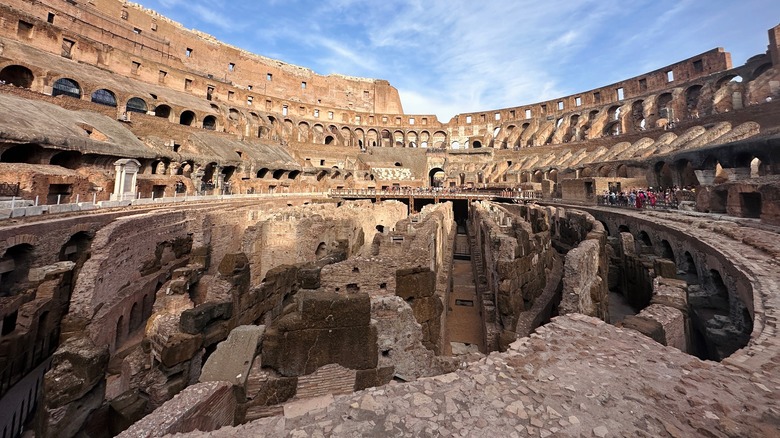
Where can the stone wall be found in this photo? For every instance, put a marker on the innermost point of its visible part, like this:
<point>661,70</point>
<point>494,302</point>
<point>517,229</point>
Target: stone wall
<point>518,255</point>
<point>203,407</point>
<point>718,301</point>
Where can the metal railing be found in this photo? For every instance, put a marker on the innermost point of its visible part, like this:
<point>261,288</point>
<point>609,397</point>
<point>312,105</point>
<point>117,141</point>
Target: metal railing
<point>433,193</point>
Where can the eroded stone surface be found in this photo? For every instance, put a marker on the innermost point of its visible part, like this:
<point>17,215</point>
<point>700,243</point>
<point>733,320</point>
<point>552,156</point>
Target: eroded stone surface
<point>575,377</point>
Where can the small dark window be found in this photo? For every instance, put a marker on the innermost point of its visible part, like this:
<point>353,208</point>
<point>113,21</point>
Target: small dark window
<point>188,52</point>
<point>698,66</point>
<point>25,29</point>
<point>597,97</point>
<point>176,147</point>
<point>642,84</point>
<point>269,77</point>
<point>161,76</point>
<point>67,47</point>
<point>136,67</point>
<point>188,84</point>
<point>124,15</point>
<point>231,67</point>
<point>154,27</point>
<point>303,85</point>
<point>50,18</point>
<point>136,31</point>
<point>209,93</point>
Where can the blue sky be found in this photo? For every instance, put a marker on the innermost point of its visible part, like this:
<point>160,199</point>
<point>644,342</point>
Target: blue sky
<point>453,56</point>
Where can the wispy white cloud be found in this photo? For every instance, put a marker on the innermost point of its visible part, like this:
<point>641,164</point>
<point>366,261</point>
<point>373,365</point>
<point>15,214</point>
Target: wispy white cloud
<point>453,56</point>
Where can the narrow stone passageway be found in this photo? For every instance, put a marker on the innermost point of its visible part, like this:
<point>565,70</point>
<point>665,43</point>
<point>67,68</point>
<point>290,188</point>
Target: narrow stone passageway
<point>464,321</point>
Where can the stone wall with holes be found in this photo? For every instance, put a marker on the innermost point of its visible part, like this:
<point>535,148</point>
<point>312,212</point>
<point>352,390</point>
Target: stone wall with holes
<point>406,272</point>
<point>184,53</point>
<point>518,260</point>
<point>306,234</point>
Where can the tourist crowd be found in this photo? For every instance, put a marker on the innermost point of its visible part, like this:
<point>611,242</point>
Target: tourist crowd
<point>646,198</point>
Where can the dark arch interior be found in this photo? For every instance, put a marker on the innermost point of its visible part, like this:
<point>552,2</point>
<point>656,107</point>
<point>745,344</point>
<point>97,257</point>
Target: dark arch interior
<point>210,123</point>
<point>67,159</point>
<point>163,111</point>
<point>137,105</point>
<point>23,153</point>
<point>15,264</point>
<point>17,75</point>
<point>187,118</point>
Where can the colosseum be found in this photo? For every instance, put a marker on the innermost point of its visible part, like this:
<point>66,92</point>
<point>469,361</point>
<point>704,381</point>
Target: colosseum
<point>197,239</point>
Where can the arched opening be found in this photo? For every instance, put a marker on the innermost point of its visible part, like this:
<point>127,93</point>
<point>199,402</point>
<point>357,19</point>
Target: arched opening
<point>135,317</point>
<point>66,87</point>
<point>692,95</point>
<point>76,249</point>
<point>138,105</point>
<point>262,172</point>
<point>278,173</point>
<point>293,174</point>
<point>476,144</point>
<point>17,75</point>
<point>538,176</point>
<point>321,174</point>
<point>104,97</point>
<point>321,251</point>
<point>380,228</point>
<point>664,175</point>
<point>687,174</point>
<point>728,79</point>
<point>689,266</point>
<point>666,251</point>
<point>637,115</point>
<point>612,128</point>
<point>210,123</point>
<point>328,139</point>
<point>720,292</point>
<point>187,118</point>
<point>119,335</point>
<point>436,177</point>
<point>386,139</point>
<point>227,173</point>
<point>663,107</point>
<point>146,304</point>
<point>23,153</point>
<point>163,111</point>
<point>624,229</point>
<point>644,244</point>
<point>67,159</point>
<point>14,267</point>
